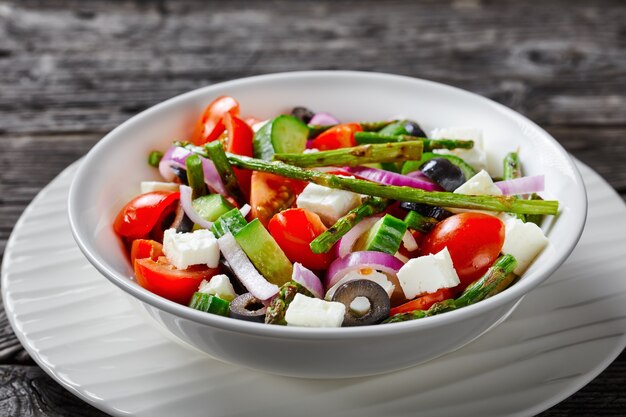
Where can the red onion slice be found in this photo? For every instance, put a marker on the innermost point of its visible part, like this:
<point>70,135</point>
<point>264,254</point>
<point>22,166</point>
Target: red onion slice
<point>307,279</point>
<point>379,261</point>
<point>176,156</point>
<point>186,202</point>
<point>409,241</point>
<point>324,119</point>
<point>391,178</point>
<point>245,210</point>
<point>522,185</point>
<point>243,268</point>
<point>345,245</point>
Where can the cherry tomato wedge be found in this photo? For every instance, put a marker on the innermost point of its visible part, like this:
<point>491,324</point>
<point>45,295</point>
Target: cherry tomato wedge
<point>162,278</point>
<point>423,302</point>
<point>210,125</point>
<point>140,215</point>
<point>240,142</point>
<point>473,239</point>
<point>145,248</point>
<point>293,230</point>
<point>270,194</point>
<point>340,136</point>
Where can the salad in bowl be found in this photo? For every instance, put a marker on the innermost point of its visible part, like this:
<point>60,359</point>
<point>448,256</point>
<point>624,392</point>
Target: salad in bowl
<point>307,220</point>
<point>365,240</point>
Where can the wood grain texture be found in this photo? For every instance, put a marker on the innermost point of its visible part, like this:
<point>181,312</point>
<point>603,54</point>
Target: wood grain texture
<point>70,71</point>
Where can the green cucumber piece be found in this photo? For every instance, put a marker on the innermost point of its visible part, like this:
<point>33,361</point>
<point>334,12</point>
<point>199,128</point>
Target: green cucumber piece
<point>386,235</point>
<point>209,303</point>
<point>283,134</point>
<point>211,207</point>
<point>396,128</point>
<point>229,222</point>
<point>264,252</point>
<point>419,222</point>
<point>410,166</point>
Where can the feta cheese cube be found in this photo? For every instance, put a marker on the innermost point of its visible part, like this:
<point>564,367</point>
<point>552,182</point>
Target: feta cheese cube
<point>479,184</point>
<point>328,203</point>
<point>312,312</point>
<point>476,157</point>
<point>150,186</point>
<point>375,276</point>
<point>360,305</point>
<point>428,274</point>
<point>524,241</point>
<point>219,286</point>
<point>185,249</point>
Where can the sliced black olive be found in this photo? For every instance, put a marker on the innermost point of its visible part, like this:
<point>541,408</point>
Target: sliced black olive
<point>376,295</point>
<point>182,223</point>
<point>413,129</point>
<point>247,307</point>
<point>444,173</point>
<point>438,213</point>
<point>303,114</point>
<point>181,174</point>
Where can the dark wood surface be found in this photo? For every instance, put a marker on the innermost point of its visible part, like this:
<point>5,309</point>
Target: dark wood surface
<point>72,70</point>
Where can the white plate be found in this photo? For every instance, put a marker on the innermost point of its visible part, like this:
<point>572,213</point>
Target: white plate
<point>87,335</point>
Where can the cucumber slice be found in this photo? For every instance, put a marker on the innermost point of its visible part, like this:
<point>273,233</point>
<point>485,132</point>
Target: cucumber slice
<point>264,253</point>
<point>410,166</point>
<point>211,207</point>
<point>284,134</point>
<point>396,128</point>
<point>209,303</point>
<point>386,235</point>
<point>419,222</point>
<point>231,221</point>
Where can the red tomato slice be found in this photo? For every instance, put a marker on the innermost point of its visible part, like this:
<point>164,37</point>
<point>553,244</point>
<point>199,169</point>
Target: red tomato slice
<point>240,137</point>
<point>473,239</point>
<point>340,136</point>
<point>165,280</point>
<point>210,126</point>
<point>140,215</point>
<point>270,194</point>
<point>423,302</point>
<point>145,248</point>
<point>293,230</point>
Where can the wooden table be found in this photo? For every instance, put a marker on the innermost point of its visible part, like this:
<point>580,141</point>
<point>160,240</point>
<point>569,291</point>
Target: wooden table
<point>70,71</point>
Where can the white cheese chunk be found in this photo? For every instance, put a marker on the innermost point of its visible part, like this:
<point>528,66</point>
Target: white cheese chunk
<point>312,312</point>
<point>219,286</point>
<point>328,203</point>
<point>185,249</point>
<point>360,305</point>
<point>479,184</point>
<point>428,274</point>
<point>150,186</point>
<point>476,156</point>
<point>524,241</point>
<point>375,276</point>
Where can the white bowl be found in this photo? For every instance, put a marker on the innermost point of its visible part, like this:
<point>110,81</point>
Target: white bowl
<point>111,172</point>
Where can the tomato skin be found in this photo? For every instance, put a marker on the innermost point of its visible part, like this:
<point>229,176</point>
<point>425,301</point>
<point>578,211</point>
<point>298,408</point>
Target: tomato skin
<point>270,194</point>
<point>161,278</point>
<point>474,241</point>
<point>423,302</point>
<point>145,248</point>
<point>340,136</point>
<point>293,230</point>
<point>210,125</point>
<point>139,216</point>
<point>240,137</point>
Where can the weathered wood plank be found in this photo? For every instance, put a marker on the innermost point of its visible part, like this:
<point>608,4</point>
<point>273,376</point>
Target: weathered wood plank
<point>69,71</point>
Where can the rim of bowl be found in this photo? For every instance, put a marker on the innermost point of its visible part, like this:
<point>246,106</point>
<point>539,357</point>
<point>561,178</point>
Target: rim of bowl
<point>515,292</point>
